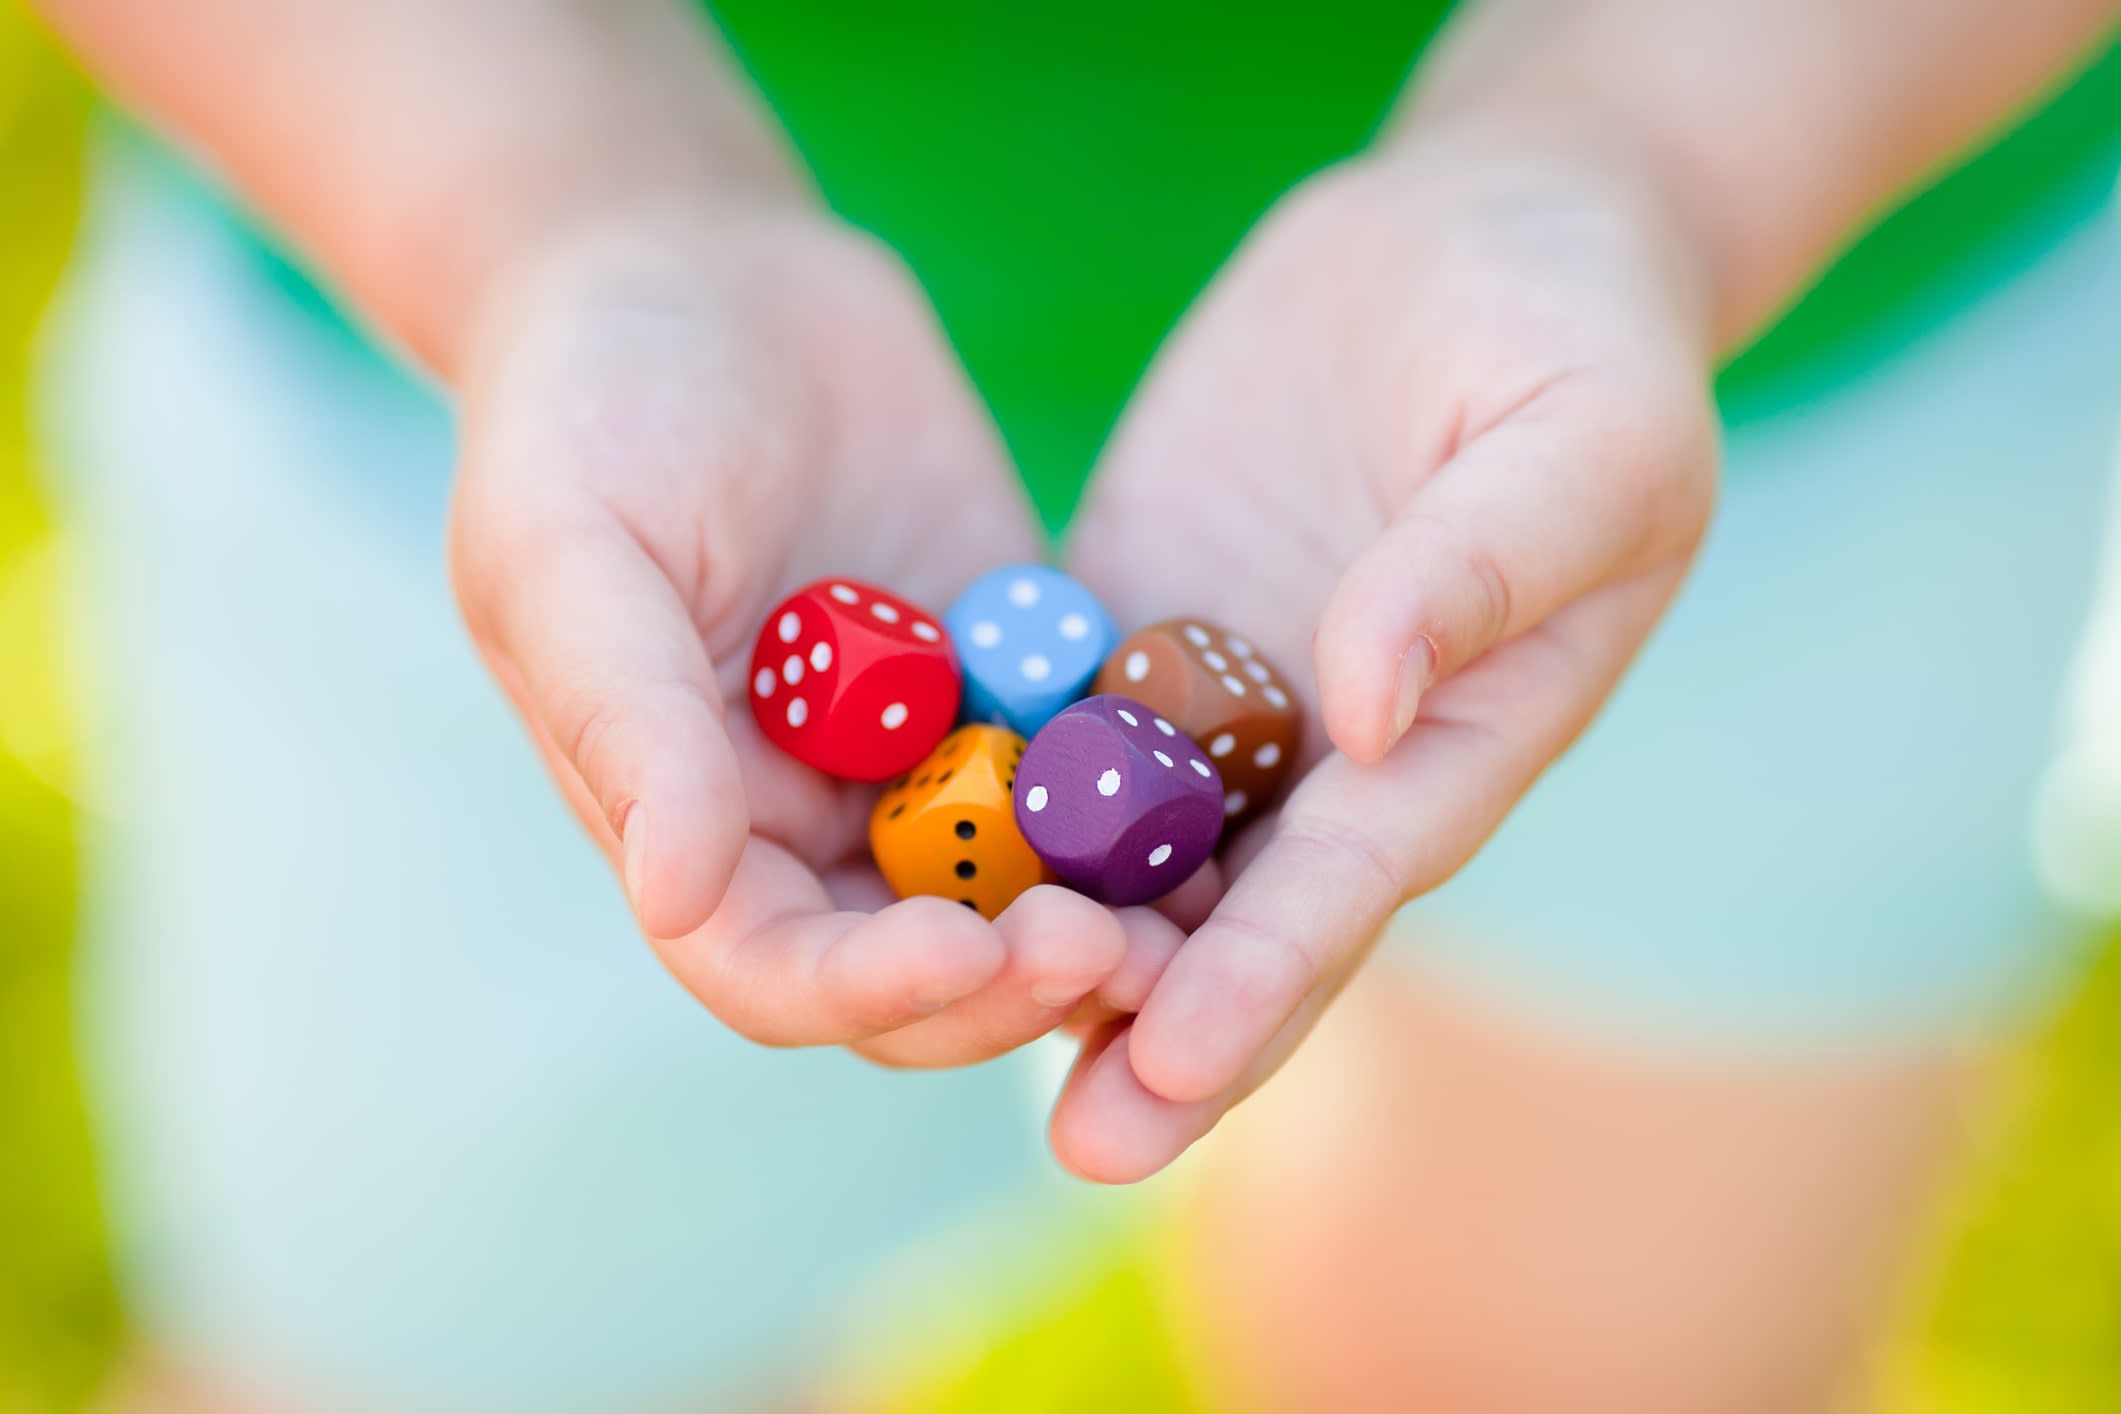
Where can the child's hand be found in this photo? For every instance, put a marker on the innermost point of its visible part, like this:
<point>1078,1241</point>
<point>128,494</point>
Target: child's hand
<point>1443,433</point>
<point>670,420</point>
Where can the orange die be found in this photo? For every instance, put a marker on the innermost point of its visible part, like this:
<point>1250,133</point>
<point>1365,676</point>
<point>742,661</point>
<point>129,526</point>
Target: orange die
<point>948,826</point>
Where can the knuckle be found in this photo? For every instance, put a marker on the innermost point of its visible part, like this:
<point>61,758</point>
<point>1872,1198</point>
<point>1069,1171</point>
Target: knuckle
<point>1484,593</point>
<point>1493,600</point>
<point>1659,453</point>
<point>1293,960</point>
<point>587,719</point>
<point>597,725</point>
<point>1336,845</point>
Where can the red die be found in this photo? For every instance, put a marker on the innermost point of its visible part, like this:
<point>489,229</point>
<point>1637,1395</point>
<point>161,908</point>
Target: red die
<point>854,681</point>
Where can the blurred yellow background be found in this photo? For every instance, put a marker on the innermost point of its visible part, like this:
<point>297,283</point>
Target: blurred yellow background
<point>2019,1309</point>
<point>58,1320</point>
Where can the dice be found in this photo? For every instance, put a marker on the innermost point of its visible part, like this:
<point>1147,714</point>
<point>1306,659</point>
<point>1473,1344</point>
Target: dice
<point>1215,687</point>
<point>852,680</point>
<point>948,826</point>
<point>1117,801</point>
<point>1030,639</point>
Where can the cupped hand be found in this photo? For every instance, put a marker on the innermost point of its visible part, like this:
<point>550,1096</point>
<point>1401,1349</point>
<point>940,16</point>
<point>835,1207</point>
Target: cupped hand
<point>671,419</point>
<point>1440,441</point>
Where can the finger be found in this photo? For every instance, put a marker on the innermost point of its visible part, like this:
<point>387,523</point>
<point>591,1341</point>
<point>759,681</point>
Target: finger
<point>1190,903</point>
<point>1152,942</point>
<point>778,963</point>
<point>593,640</point>
<point>1541,510</point>
<point>1356,841</point>
<point>1107,1128</point>
<point>1240,849</point>
<point>857,887</point>
<point>1061,947</point>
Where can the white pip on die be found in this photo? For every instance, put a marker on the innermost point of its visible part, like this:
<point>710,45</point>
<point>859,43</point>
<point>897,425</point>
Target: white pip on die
<point>1029,640</point>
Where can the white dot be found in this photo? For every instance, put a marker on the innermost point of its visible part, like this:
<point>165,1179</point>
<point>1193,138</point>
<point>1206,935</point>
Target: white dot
<point>1035,799</point>
<point>1222,745</point>
<point>1276,696</point>
<point>1165,727</point>
<point>821,656</point>
<point>1161,757</point>
<point>790,626</point>
<point>1234,802</point>
<point>765,682</point>
<point>894,716</point>
<point>1108,783</point>
<point>1199,766</point>
<point>1257,671</point>
<point>884,611</point>
<point>1236,685</point>
<point>1074,626</point>
<point>1215,661</point>
<point>793,669</point>
<point>1197,636</point>
<point>1159,855</point>
<point>1137,666</point>
<point>1023,593</point>
<point>798,711</point>
<point>1241,648</point>
<point>845,595</point>
<point>1035,668</point>
<point>925,630</point>
<point>985,634</point>
<point>1128,717</point>
<point>1266,756</point>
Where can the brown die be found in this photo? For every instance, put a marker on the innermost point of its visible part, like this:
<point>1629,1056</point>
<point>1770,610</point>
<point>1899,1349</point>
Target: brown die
<point>1218,690</point>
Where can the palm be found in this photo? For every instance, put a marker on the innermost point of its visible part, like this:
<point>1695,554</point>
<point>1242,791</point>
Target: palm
<point>668,437</point>
<point>875,463</point>
<point>1363,392</point>
<point>1248,518</point>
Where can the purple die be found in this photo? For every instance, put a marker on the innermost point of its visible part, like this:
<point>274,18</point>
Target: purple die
<point>1119,802</point>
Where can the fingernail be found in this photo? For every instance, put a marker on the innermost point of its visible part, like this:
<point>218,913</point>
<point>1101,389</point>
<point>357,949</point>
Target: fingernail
<point>1417,669</point>
<point>1058,996</point>
<point>633,842</point>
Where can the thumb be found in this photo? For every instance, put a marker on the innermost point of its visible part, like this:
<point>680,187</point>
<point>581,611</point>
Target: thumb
<point>598,651</point>
<point>1526,518</point>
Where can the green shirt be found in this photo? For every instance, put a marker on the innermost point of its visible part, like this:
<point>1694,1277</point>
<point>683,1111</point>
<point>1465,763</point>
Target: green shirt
<point>1064,178</point>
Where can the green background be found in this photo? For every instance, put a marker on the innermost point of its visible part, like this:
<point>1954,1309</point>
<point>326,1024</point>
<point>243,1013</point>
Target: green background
<point>1064,179</point>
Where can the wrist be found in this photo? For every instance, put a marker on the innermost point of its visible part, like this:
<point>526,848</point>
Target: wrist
<point>1551,192</point>
<point>1663,101</point>
<point>525,125</point>
<point>645,208</point>
<point>1769,130</point>
<point>683,253</point>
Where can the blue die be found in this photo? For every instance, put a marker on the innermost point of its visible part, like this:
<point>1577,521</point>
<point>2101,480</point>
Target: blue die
<point>1030,640</point>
